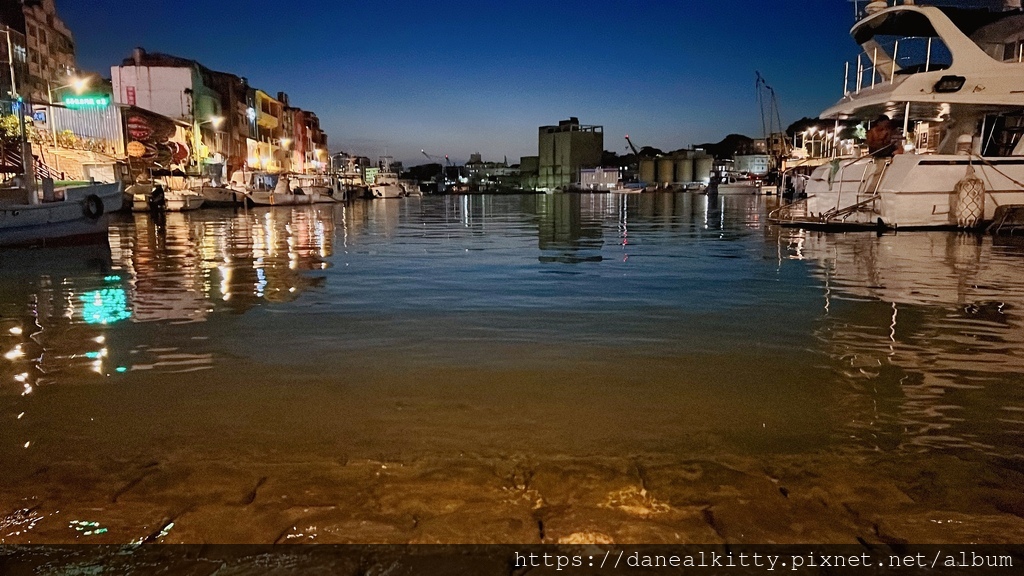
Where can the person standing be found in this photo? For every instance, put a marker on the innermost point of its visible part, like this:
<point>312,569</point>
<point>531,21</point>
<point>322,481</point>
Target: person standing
<point>882,138</point>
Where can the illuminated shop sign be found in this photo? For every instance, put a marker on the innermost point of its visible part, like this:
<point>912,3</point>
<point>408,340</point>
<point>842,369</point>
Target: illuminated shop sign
<point>76,102</point>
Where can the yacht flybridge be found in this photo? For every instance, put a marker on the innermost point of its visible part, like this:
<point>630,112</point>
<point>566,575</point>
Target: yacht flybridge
<point>953,80</point>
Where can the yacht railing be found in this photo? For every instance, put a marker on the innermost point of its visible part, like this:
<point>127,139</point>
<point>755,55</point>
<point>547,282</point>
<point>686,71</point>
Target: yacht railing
<point>795,211</point>
<point>888,60</point>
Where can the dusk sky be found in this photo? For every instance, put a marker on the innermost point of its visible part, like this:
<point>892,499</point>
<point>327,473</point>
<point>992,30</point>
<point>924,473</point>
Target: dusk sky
<point>461,77</point>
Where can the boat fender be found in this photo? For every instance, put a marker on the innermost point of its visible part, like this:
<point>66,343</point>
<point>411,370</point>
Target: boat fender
<point>968,200</point>
<point>93,207</point>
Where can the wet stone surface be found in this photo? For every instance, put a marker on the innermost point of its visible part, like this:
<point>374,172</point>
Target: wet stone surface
<point>646,499</point>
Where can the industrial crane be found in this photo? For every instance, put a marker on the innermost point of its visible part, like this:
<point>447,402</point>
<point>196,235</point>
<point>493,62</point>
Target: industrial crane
<point>442,184</point>
<point>635,152</point>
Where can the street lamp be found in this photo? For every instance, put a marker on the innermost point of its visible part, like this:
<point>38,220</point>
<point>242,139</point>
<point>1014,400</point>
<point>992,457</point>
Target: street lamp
<point>79,84</point>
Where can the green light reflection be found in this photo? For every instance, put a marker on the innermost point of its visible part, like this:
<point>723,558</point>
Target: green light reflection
<point>105,306</point>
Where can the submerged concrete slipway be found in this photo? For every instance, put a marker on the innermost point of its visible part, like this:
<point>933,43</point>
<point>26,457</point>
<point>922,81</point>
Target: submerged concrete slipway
<point>519,369</point>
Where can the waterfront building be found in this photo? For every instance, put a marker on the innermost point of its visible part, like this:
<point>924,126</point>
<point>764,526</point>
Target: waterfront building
<point>487,175</point>
<point>234,92</point>
<point>44,49</point>
<point>600,179</point>
<point>15,56</point>
<point>233,124</point>
<point>565,149</point>
<point>308,142</point>
<point>757,164</point>
<point>265,141</point>
<point>178,88</point>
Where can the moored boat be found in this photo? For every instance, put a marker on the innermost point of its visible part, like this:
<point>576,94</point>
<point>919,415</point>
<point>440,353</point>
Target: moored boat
<point>165,191</point>
<point>63,213</point>
<point>215,196</point>
<point>281,194</point>
<point>952,79</point>
<point>386,183</point>
<point>731,184</point>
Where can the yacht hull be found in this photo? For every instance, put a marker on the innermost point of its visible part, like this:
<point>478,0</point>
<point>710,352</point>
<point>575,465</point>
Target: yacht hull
<point>909,191</point>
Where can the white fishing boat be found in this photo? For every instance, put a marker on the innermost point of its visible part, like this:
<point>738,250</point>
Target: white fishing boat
<point>60,214</point>
<point>953,78</point>
<point>35,210</point>
<point>156,198</point>
<point>386,183</point>
<point>220,196</point>
<point>280,193</point>
<point>322,189</point>
<point>165,191</point>
<point>622,189</point>
<point>731,184</point>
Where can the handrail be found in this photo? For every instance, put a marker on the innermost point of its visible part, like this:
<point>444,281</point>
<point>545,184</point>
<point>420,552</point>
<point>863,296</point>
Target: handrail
<point>851,209</point>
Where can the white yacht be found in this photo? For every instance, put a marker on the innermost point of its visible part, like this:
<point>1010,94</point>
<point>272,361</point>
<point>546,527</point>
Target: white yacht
<point>953,78</point>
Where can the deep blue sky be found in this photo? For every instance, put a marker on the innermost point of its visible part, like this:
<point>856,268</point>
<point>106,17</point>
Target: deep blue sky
<point>460,77</point>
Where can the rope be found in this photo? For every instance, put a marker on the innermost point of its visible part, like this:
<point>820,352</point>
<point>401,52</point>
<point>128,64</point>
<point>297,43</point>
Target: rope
<point>1003,174</point>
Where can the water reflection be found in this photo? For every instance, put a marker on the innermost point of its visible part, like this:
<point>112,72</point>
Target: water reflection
<point>55,306</point>
<point>921,334</point>
<point>926,334</point>
<point>64,313</point>
<point>187,265</point>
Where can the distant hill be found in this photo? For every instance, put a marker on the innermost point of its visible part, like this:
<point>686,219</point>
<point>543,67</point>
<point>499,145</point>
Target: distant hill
<point>732,145</point>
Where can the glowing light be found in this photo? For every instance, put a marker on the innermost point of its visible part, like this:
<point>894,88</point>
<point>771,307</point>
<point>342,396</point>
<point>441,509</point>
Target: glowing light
<point>77,102</point>
<point>122,369</point>
<point>15,353</point>
<point>100,339</point>
<point>105,306</point>
<point>112,278</point>
<point>16,330</point>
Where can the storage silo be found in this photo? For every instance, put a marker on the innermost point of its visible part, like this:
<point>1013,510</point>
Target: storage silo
<point>666,171</point>
<point>684,169</point>
<point>647,168</point>
<point>702,167</point>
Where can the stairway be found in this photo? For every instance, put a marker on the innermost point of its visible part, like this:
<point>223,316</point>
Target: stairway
<point>11,160</point>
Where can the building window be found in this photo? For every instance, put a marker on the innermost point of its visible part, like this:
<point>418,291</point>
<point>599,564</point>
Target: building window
<point>31,31</point>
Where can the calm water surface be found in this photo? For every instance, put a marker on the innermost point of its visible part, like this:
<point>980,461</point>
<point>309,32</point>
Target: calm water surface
<point>561,325</point>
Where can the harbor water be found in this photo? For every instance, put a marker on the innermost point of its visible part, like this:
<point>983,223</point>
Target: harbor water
<point>517,369</point>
